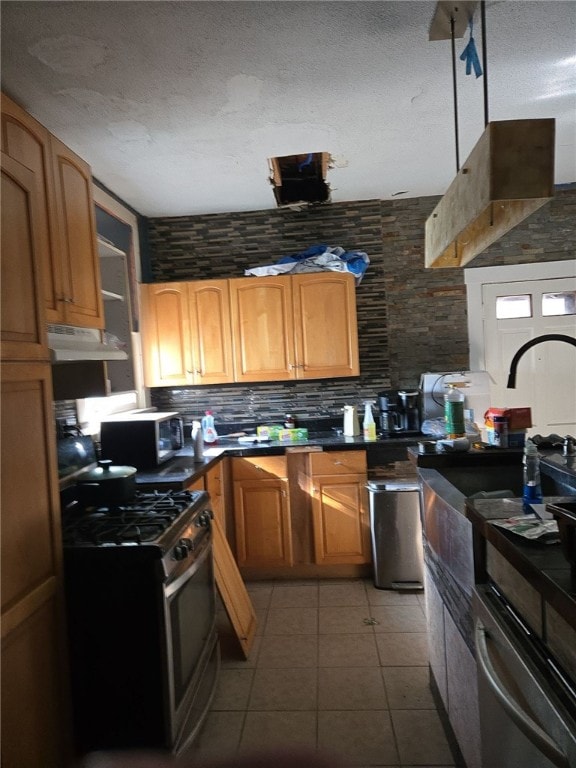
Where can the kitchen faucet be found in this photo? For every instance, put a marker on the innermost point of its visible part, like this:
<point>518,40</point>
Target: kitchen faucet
<point>532,343</point>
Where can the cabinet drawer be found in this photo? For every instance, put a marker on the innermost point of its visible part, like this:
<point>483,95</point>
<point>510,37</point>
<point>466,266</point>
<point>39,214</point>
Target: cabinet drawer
<point>337,462</point>
<point>259,467</point>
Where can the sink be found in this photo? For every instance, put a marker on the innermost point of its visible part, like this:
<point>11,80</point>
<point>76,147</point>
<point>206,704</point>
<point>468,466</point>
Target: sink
<point>471,480</point>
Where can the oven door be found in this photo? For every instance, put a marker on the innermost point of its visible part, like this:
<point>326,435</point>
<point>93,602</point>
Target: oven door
<point>191,642</point>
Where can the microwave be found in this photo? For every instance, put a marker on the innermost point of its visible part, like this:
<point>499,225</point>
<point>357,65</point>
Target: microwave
<point>142,440</point>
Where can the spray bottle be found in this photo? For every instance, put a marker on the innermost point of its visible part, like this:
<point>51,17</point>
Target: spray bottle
<point>369,425</point>
<point>208,430</point>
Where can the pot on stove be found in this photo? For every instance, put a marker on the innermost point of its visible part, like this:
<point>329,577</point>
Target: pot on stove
<point>107,483</point>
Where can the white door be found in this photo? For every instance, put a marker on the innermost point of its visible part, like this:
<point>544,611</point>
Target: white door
<point>512,313</point>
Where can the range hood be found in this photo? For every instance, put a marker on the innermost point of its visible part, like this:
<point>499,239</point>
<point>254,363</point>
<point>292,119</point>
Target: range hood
<point>71,344</point>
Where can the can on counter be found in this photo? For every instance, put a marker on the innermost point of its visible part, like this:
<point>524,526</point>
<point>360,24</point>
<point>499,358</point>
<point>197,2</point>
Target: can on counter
<point>500,431</point>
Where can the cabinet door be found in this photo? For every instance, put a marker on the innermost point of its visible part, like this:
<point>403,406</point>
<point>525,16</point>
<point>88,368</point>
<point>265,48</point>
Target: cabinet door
<point>340,519</point>
<point>77,237</point>
<point>262,326</point>
<point>34,680</point>
<point>22,303</point>
<point>326,334</point>
<point>214,483</point>
<point>28,142</point>
<point>165,334</point>
<point>262,522</point>
<point>211,333</point>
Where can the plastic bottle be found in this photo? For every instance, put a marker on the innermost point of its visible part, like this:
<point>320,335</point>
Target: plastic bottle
<point>532,489</point>
<point>454,412</point>
<point>208,430</point>
<point>500,431</point>
<point>198,440</point>
<point>369,425</point>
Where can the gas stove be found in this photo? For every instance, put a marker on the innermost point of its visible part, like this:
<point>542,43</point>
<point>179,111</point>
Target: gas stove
<point>155,525</point>
<point>140,597</point>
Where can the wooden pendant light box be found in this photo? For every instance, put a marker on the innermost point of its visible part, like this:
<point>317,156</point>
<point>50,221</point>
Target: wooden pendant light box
<point>508,175</point>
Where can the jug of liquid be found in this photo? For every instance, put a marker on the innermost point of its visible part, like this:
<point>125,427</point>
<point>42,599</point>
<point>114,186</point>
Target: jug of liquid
<point>351,423</point>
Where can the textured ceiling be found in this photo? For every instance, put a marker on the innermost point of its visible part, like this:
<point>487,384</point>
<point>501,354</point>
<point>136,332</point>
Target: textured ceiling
<point>178,105</point>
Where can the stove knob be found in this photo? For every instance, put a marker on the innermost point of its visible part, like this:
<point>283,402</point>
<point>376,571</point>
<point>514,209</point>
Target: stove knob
<point>204,519</point>
<point>187,543</point>
<point>180,552</point>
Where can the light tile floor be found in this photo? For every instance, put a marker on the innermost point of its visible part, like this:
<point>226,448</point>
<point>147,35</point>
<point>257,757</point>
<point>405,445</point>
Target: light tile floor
<point>338,667</point>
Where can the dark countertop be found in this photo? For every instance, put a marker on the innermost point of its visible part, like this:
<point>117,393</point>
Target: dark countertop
<point>543,565</point>
<point>183,470</point>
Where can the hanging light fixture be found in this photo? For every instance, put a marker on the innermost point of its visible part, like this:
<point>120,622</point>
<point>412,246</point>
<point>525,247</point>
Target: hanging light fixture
<point>508,175</point>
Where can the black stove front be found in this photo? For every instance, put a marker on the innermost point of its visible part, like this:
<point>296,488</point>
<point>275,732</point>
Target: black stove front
<point>141,617</point>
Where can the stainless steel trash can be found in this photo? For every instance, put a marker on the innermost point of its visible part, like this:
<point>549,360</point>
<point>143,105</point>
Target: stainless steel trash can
<point>396,533</point>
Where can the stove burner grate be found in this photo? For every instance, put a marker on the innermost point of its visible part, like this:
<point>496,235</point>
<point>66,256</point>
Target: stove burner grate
<point>138,521</point>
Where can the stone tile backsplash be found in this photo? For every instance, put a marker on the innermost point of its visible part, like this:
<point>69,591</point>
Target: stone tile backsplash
<point>410,319</point>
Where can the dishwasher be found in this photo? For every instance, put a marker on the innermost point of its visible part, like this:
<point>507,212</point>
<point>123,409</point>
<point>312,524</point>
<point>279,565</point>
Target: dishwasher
<point>527,702</point>
<point>396,534</point>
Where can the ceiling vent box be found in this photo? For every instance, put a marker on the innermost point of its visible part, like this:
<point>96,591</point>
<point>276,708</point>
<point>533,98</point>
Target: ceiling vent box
<point>300,179</point>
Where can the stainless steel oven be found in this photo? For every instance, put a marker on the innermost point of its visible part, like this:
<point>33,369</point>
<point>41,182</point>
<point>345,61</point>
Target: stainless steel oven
<point>142,620</point>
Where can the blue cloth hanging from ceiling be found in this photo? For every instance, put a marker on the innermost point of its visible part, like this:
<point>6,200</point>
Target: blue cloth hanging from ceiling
<point>470,54</point>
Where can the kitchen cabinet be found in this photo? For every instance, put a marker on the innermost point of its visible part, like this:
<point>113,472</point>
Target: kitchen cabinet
<point>262,511</point>
<point>117,313</point>
<point>294,327</point>
<point>66,224</point>
<point>23,333</point>
<point>339,507</point>
<point>34,679</point>
<point>35,709</point>
<point>186,333</point>
<point>214,484</point>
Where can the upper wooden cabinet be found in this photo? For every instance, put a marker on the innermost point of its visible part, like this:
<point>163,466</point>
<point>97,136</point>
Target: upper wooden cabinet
<point>326,333</point>
<point>68,251</point>
<point>23,329</point>
<point>186,333</point>
<point>294,327</point>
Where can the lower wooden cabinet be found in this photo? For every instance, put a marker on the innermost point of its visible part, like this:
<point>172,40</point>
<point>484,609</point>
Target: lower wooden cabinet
<point>35,713</point>
<point>214,484</point>
<point>262,512</point>
<point>327,525</point>
<point>339,507</point>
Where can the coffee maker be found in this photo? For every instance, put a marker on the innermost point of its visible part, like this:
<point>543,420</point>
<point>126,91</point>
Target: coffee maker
<point>390,419</point>
<point>399,411</point>
<point>409,403</point>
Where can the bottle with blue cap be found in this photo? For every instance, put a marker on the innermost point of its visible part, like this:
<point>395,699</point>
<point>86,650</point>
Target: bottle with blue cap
<point>532,488</point>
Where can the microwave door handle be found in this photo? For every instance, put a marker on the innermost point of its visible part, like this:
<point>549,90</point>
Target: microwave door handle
<point>529,727</point>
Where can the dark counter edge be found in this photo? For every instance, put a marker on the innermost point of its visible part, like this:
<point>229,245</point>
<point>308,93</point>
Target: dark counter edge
<point>183,470</point>
<point>517,554</point>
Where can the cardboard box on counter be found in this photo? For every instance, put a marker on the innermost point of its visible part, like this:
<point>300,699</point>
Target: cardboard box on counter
<point>518,418</point>
<point>278,432</point>
<point>516,437</point>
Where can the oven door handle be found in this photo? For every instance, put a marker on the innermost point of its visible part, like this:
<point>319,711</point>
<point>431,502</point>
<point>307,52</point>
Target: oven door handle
<point>526,724</point>
<point>198,557</point>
